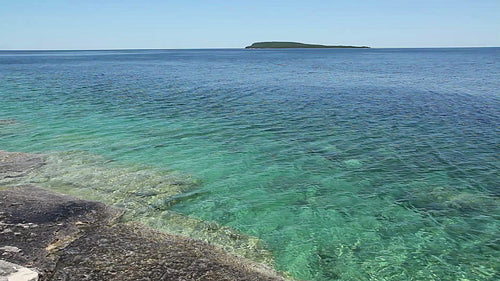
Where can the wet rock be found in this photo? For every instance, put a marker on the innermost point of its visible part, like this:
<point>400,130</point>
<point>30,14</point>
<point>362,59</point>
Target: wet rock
<point>132,252</point>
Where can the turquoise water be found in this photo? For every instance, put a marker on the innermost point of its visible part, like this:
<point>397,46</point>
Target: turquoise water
<point>376,164</point>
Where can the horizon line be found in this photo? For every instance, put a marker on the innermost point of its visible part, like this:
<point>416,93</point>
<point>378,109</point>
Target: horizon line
<point>234,48</point>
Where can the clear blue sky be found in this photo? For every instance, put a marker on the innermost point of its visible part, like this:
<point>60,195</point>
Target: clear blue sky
<point>109,24</point>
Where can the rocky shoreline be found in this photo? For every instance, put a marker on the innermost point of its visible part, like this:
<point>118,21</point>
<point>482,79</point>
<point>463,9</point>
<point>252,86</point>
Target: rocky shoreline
<point>60,237</point>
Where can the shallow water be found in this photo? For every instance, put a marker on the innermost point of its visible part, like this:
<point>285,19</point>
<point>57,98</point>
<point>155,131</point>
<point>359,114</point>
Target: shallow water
<point>378,164</point>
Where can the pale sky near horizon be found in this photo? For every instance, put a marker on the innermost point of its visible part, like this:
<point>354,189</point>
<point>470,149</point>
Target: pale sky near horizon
<point>172,24</point>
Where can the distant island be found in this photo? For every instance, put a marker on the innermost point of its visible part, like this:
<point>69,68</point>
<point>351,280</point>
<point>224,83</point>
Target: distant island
<point>295,45</point>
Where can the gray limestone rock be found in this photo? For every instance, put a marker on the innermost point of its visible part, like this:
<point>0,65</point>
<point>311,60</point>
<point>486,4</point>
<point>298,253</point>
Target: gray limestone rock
<point>14,272</point>
<point>72,239</point>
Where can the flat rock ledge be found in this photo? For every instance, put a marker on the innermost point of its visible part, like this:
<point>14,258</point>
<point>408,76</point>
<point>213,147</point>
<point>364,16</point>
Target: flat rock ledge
<point>15,272</point>
<point>45,235</point>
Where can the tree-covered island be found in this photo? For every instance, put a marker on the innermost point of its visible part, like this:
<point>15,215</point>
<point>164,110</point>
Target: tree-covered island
<point>294,45</point>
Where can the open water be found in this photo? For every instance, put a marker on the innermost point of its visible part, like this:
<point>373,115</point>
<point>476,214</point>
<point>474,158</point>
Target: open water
<point>336,164</point>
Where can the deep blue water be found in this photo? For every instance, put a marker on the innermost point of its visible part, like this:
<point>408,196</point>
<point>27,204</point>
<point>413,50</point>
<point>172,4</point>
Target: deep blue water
<point>334,164</point>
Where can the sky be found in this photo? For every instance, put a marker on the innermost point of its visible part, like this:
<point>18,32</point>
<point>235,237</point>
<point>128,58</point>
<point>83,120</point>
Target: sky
<point>178,24</point>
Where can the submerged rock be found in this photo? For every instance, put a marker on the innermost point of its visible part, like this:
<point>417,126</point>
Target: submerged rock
<point>8,121</point>
<point>448,201</point>
<point>352,163</point>
<point>17,164</point>
<point>145,193</point>
<point>66,238</point>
